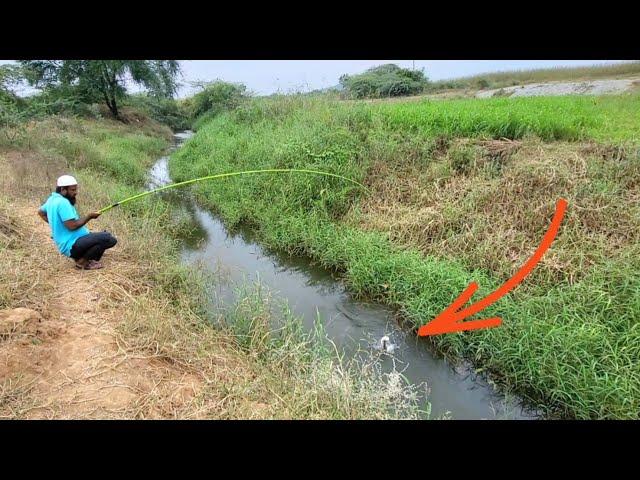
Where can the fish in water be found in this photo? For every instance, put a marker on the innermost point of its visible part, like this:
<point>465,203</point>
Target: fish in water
<point>385,345</point>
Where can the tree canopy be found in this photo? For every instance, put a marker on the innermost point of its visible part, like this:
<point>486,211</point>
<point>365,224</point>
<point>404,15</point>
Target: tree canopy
<point>104,80</point>
<point>387,80</point>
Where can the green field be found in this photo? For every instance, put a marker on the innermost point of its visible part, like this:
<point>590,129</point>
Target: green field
<point>550,118</point>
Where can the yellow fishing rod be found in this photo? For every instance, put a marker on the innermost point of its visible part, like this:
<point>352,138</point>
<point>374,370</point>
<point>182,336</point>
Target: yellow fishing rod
<point>221,175</point>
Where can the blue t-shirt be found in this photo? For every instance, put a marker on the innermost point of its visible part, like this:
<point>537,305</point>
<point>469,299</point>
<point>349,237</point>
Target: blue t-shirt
<point>59,210</point>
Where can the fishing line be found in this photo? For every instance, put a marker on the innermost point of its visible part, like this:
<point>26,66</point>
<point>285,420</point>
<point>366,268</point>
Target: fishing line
<point>221,175</point>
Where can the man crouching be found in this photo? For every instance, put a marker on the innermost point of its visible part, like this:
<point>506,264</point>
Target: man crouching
<point>68,230</point>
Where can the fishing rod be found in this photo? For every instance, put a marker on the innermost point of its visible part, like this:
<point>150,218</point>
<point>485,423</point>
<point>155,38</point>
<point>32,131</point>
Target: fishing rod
<point>220,175</point>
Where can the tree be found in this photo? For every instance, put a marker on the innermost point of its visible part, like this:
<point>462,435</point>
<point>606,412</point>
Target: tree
<point>10,77</point>
<point>384,81</point>
<point>104,80</point>
<point>217,96</point>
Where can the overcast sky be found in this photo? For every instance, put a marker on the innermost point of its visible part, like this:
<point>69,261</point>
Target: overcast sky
<point>264,77</point>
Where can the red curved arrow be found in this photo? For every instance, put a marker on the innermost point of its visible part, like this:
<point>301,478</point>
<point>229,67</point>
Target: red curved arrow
<point>450,320</point>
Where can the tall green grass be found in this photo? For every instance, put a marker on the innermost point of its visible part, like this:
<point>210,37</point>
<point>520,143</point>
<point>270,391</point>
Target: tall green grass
<point>570,348</point>
<point>550,118</point>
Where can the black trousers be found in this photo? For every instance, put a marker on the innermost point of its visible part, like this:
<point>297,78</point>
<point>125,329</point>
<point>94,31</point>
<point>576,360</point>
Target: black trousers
<point>92,246</point>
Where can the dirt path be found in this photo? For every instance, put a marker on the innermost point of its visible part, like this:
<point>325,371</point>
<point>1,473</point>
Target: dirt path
<point>589,87</point>
<point>67,362</point>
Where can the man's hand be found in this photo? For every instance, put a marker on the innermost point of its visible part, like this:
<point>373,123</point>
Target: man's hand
<point>75,224</point>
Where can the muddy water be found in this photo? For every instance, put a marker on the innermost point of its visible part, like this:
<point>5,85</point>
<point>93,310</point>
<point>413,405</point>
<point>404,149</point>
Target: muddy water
<point>311,293</point>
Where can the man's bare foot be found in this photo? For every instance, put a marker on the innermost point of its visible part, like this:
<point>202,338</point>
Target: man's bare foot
<point>89,265</point>
<point>82,264</point>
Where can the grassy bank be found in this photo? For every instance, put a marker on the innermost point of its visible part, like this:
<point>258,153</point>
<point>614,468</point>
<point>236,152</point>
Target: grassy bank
<point>462,191</point>
<point>247,369</point>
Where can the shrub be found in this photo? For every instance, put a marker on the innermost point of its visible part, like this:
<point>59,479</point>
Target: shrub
<point>217,97</point>
<point>384,81</point>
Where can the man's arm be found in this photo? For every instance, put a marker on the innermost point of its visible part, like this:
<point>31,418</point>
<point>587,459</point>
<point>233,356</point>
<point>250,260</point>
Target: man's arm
<point>43,215</point>
<point>76,224</point>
